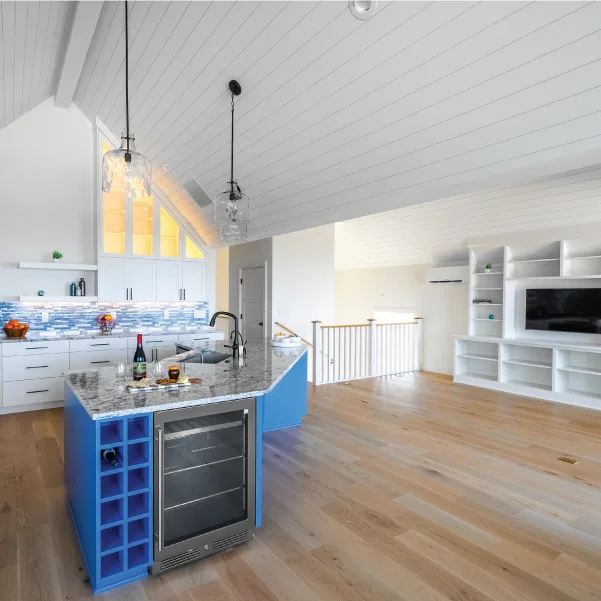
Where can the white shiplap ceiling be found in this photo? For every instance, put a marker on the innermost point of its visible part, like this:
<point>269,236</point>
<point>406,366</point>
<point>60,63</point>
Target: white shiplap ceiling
<point>341,118</point>
<point>437,232</point>
<point>31,41</point>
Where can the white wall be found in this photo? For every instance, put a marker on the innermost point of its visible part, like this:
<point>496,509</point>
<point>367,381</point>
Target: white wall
<point>304,278</point>
<point>250,254</point>
<point>360,292</point>
<point>46,199</point>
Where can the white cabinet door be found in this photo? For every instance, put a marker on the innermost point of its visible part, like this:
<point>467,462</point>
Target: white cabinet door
<point>113,284</point>
<point>193,281</point>
<point>142,279</point>
<point>169,286</point>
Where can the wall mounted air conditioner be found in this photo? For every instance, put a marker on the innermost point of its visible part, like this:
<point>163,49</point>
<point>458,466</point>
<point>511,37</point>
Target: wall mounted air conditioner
<point>448,275</point>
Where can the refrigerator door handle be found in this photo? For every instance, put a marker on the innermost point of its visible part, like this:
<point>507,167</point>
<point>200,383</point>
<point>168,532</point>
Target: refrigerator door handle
<point>160,500</point>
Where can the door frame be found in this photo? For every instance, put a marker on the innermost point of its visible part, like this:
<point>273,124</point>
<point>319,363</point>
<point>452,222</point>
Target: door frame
<point>241,296</point>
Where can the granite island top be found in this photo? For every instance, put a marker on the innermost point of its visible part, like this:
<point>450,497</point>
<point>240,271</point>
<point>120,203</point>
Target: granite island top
<point>103,395</point>
<point>33,336</point>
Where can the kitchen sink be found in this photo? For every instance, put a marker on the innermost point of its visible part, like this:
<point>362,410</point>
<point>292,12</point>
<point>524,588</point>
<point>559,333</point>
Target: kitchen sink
<point>209,358</point>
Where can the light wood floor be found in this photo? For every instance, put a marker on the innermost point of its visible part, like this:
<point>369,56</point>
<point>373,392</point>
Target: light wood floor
<point>409,488</point>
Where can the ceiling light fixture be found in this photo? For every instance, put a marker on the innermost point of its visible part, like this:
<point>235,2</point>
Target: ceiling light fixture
<point>231,205</point>
<point>363,9</point>
<point>124,169</point>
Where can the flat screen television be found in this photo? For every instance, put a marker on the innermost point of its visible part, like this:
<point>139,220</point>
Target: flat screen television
<point>564,310</point>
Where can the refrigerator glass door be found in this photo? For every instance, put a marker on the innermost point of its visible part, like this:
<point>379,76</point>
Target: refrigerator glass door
<point>205,474</point>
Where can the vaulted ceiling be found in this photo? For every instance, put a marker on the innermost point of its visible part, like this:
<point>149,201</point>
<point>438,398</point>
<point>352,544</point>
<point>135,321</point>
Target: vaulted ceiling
<point>338,117</point>
<point>437,232</point>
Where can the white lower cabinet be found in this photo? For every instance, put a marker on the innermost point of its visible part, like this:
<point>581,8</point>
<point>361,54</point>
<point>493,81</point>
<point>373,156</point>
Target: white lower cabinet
<point>30,392</point>
<point>96,359</point>
<point>34,367</point>
<point>156,346</point>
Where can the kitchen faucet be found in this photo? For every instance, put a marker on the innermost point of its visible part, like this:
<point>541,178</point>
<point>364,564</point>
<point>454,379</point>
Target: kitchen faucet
<point>236,332</point>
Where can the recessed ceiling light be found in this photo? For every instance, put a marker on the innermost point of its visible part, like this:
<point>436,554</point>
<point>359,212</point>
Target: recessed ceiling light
<point>363,9</point>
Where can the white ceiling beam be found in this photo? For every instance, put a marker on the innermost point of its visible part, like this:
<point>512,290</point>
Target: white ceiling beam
<point>82,29</point>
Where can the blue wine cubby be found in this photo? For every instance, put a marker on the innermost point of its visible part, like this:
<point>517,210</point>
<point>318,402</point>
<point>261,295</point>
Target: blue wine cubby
<point>111,505</point>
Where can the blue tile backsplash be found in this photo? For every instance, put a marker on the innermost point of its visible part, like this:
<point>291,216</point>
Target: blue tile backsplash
<point>82,316</point>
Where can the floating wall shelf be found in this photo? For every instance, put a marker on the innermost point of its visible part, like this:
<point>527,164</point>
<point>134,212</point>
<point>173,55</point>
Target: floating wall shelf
<point>61,266</point>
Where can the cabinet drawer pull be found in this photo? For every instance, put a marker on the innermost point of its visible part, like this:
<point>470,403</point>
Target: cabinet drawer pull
<point>36,391</point>
<point>101,344</point>
<point>33,348</point>
<point>149,341</point>
<point>93,362</point>
<point>37,366</point>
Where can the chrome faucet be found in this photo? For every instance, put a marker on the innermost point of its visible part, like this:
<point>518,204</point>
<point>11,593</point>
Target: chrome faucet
<point>235,334</point>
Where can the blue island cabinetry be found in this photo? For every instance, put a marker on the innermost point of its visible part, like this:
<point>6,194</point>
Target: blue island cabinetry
<point>111,506</point>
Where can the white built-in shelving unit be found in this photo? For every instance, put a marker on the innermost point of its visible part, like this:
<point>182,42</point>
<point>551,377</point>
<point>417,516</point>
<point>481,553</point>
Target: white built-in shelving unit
<point>499,353</point>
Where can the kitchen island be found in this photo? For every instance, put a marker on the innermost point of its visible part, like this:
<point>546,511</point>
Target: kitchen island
<point>117,507</point>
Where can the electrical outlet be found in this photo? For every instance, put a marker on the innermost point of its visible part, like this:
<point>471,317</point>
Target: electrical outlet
<point>45,316</point>
<point>166,313</point>
<point>198,314</point>
<point>114,314</point>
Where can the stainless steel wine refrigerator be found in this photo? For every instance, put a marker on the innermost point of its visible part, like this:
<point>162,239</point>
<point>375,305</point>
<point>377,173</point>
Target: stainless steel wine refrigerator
<point>204,481</point>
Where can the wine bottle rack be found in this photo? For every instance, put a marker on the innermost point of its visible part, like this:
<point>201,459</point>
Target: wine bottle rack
<point>111,505</point>
<point>126,548</point>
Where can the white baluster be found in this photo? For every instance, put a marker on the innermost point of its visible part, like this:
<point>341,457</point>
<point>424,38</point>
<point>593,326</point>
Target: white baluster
<point>316,352</point>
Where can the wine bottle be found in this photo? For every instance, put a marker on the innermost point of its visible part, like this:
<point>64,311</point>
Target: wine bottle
<point>109,456</point>
<point>139,368</point>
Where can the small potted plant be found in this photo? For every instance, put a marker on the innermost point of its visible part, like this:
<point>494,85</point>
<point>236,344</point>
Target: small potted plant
<point>488,268</point>
<point>57,256</point>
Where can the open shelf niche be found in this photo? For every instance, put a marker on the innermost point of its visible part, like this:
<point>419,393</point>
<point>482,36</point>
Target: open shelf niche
<point>534,261</point>
<point>477,359</point>
<point>579,373</point>
<point>486,291</point>
<point>527,366</point>
<point>581,258</point>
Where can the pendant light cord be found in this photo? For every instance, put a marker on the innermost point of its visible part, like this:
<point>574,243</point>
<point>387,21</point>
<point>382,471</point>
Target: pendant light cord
<point>127,155</point>
<point>232,155</point>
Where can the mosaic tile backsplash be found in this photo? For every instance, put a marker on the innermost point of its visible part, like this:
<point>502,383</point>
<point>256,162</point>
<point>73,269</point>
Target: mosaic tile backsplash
<point>82,316</point>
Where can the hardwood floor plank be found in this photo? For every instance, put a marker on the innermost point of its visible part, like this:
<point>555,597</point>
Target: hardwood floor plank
<point>8,514</point>
<point>410,488</point>
<point>50,462</point>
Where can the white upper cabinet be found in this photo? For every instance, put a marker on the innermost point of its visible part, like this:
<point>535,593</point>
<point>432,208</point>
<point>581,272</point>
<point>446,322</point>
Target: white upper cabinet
<point>194,281</point>
<point>145,253</point>
<point>142,280</point>
<point>113,283</point>
<point>142,227</point>
<point>169,286</point>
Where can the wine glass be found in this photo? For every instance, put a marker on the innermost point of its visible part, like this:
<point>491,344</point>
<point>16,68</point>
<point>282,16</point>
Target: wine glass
<point>158,370</point>
<point>121,369</point>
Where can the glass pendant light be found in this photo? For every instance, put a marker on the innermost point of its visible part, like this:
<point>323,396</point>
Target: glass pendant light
<point>231,205</point>
<point>124,169</point>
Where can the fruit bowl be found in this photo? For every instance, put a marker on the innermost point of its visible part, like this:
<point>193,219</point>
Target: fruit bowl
<point>15,330</point>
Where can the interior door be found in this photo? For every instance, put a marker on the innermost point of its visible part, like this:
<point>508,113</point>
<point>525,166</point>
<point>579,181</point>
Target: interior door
<point>142,279</point>
<point>169,286</point>
<point>253,303</point>
<point>193,281</point>
<point>112,279</point>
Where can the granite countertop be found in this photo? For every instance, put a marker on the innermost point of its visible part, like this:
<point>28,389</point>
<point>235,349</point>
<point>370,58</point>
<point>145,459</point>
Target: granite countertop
<point>104,395</point>
<point>35,336</point>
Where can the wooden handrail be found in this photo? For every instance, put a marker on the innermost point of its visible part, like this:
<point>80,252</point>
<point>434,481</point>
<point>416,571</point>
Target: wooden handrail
<point>367,325</point>
<point>277,323</point>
